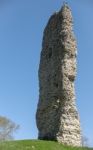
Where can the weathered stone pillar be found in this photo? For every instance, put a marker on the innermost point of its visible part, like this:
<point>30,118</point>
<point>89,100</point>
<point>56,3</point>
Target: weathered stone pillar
<point>57,117</point>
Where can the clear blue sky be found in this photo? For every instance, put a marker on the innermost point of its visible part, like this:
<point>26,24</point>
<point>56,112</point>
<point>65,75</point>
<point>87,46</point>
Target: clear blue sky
<point>21,28</point>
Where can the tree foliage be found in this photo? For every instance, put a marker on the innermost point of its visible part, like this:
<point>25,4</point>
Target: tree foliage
<point>84,141</point>
<point>7,128</point>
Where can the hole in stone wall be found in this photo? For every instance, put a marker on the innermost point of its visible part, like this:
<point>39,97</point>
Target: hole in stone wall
<point>50,53</point>
<point>55,75</point>
<point>55,97</point>
<point>71,78</point>
<point>56,85</point>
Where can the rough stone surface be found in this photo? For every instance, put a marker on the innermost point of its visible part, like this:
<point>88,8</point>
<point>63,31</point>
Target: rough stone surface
<point>57,117</point>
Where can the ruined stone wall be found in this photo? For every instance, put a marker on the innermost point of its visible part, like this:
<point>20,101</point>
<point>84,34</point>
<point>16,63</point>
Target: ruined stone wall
<point>57,117</point>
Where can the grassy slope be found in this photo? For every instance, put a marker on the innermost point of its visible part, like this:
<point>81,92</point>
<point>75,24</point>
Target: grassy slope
<point>36,145</point>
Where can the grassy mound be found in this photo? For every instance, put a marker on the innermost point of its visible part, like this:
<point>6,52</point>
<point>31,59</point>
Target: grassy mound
<point>36,145</point>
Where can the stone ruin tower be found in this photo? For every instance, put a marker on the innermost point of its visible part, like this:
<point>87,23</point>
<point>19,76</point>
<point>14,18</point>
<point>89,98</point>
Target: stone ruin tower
<point>57,117</point>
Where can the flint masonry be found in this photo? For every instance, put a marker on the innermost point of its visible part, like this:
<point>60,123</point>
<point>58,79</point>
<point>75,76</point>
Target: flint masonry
<point>57,116</point>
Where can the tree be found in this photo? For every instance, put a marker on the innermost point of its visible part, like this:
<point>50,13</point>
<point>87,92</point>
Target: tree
<point>84,141</point>
<point>7,128</point>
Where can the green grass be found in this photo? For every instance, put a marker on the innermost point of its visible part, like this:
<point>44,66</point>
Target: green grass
<point>36,145</point>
